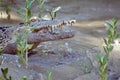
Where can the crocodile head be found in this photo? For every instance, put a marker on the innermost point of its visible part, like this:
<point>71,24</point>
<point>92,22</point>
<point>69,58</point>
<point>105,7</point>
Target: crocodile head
<point>47,30</point>
<point>42,31</point>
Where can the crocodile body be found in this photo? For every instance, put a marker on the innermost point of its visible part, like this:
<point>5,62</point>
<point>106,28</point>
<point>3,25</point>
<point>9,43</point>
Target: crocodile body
<point>44,30</point>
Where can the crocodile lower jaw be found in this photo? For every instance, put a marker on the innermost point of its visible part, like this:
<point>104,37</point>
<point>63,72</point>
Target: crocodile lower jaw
<point>35,37</point>
<point>38,38</point>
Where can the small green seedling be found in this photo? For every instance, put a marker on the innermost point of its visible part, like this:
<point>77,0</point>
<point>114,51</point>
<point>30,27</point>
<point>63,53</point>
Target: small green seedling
<point>22,46</point>
<point>41,7</point>
<point>1,52</point>
<point>2,61</point>
<point>86,68</point>
<point>103,62</point>
<point>7,9</point>
<point>4,73</point>
<point>104,59</point>
<point>53,12</point>
<point>0,9</point>
<point>27,9</point>
<point>24,78</point>
<point>49,75</point>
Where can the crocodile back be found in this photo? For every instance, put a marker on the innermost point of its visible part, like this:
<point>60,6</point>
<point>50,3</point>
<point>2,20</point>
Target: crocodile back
<point>6,35</point>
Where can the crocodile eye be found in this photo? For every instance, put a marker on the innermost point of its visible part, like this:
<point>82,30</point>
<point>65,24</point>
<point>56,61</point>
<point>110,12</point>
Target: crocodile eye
<point>33,20</point>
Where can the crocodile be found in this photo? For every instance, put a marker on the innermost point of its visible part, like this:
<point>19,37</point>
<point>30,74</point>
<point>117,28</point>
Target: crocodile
<point>44,30</point>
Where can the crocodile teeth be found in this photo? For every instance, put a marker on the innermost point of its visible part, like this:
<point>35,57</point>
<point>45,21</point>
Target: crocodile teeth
<point>64,23</point>
<point>53,29</point>
<point>49,28</point>
<point>69,22</point>
<point>72,22</point>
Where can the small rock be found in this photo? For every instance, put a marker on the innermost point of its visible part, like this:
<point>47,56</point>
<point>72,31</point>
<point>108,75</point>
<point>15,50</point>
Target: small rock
<point>90,76</point>
<point>92,55</point>
<point>65,72</point>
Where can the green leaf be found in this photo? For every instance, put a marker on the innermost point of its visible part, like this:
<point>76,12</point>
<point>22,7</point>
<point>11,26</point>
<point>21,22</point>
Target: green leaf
<point>21,9</point>
<point>105,41</point>
<point>117,36</point>
<point>105,67</point>
<point>19,48</point>
<point>108,25</point>
<point>41,2</point>
<point>49,75</point>
<point>29,14</point>
<point>110,40</point>
<point>32,29</point>
<point>29,46</point>
<point>4,72</point>
<point>100,58</point>
<point>108,32</point>
<point>53,15</point>
<point>105,49</point>
<point>105,59</point>
<point>10,78</point>
<point>24,78</point>
<point>22,16</point>
<point>29,3</point>
<point>114,20</point>
<point>38,1</point>
<point>1,52</point>
<point>56,9</point>
<point>111,48</point>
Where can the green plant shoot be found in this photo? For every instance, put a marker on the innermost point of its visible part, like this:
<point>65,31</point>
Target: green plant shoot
<point>104,59</point>
<point>4,73</point>
<point>41,8</point>
<point>49,75</point>
<point>22,45</point>
<point>53,12</point>
<point>7,9</point>
<point>24,78</point>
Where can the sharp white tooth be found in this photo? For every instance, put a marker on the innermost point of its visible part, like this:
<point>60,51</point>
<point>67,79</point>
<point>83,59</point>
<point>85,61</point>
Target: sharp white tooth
<point>73,21</point>
<point>61,25</point>
<point>66,23</point>
<point>55,26</point>
<point>58,26</point>
<point>69,22</point>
